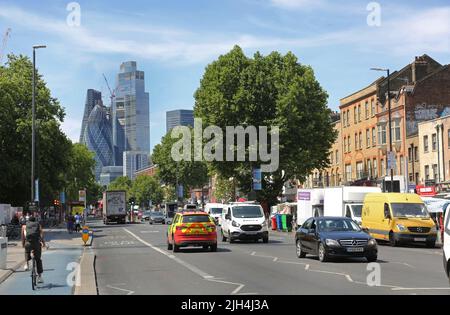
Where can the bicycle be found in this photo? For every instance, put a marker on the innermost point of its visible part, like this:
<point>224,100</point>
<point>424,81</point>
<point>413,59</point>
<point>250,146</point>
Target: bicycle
<point>34,273</point>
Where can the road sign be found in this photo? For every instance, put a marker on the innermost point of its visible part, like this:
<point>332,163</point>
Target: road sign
<point>82,195</point>
<point>36,190</point>
<point>85,234</point>
<point>391,162</point>
<point>257,179</point>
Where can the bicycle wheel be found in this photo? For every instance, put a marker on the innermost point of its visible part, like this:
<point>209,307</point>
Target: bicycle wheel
<point>33,274</point>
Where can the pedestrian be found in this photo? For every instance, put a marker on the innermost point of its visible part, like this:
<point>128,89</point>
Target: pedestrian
<point>70,223</point>
<point>77,222</point>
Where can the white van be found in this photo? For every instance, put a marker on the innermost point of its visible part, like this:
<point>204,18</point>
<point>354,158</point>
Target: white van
<point>215,211</point>
<point>242,221</point>
<point>447,242</point>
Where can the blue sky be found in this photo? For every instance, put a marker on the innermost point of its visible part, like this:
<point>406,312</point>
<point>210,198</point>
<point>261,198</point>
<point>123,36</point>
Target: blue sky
<point>173,41</point>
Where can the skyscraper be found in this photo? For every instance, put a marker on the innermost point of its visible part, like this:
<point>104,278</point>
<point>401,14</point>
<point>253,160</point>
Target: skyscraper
<point>93,97</point>
<point>98,138</point>
<point>131,114</point>
<point>179,117</point>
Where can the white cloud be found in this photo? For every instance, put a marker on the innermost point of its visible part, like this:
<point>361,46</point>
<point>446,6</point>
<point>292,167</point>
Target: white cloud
<point>296,4</point>
<point>72,128</point>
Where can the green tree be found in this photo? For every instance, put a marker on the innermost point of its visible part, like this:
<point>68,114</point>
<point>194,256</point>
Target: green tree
<point>190,174</point>
<point>145,188</point>
<point>224,189</point>
<point>170,193</point>
<point>52,146</point>
<point>273,90</point>
<point>121,183</point>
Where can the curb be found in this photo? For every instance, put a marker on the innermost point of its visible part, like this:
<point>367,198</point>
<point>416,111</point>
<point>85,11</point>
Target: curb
<point>11,271</point>
<point>88,283</point>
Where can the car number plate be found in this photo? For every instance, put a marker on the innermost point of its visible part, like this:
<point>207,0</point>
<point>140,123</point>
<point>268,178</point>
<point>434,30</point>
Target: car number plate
<point>420,239</point>
<point>355,249</point>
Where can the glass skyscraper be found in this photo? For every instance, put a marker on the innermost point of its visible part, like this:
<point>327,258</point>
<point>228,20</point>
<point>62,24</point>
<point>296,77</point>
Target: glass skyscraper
<point>179,117</point>
<point>93,97</point>
<point>98,138</point>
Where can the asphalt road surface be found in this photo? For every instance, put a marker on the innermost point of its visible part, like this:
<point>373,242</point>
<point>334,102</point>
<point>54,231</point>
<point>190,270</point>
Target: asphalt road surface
<point>133,259</point>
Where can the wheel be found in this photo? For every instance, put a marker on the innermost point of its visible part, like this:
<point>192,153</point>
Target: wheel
<point>205,247</point>
<point>431,244</point>
<point>322,253</point>
<point>169,246</point>
<point>265,239</point>
<point>392,240</point>
<point>163,222</point>
<point>151,222</point>
<point>230,239</point>
<point>176,248</point>
<point>372,258</point>
<point>33,275</point>
<point>214,248</point>
<point>299,251</point>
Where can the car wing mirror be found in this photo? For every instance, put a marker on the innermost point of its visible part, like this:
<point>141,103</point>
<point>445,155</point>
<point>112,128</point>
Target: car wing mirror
<point>365,230</point>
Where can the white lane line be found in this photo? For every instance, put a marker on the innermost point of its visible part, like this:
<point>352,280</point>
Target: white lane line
<point>145,232</point>
<point>349,278</point>
<point>417,289</point>
<point>192,268</point>
<point>403,263</point>
<point>120,289</point>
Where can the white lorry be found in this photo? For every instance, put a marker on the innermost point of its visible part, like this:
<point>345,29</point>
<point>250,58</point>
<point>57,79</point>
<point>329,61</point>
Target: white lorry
<point>309,204</point>
<point>114,206</point>
<point>346,201</point>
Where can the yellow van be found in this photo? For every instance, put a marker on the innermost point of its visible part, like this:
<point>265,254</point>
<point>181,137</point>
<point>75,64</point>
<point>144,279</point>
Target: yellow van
<point>398,218</point>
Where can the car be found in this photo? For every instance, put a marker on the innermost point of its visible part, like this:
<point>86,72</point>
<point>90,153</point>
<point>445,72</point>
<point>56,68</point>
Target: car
<point>446,245</point>
<point>157,217</point>
<point>244,221</point>
<point>192,228</point>
<point>215,211</point>
<point>146,215</point>
<point>329,237</point>
<point>190,207</point>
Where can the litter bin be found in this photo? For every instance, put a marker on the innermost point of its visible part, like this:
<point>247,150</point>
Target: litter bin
<point>289,222</point>
<point>279,225</point>
<point>3,252</point>
<point>274,223</point>
<point>283,223</point>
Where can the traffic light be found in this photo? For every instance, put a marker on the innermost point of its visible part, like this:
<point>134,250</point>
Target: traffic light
<point>56,202</point>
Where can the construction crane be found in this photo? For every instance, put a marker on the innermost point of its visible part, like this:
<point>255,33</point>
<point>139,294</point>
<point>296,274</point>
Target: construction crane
<point>111,92</point>
<point>5,41</point>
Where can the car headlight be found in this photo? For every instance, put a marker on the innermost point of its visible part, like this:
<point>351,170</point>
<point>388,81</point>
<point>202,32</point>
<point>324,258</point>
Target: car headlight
<point>331,242</point>
<point>433,229</point>
<point>401,227</point>
<point>264,224</point>
<point>372,242</point>
<point>235,224</point>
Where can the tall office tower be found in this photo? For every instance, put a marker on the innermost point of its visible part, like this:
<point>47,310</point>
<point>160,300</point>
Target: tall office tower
<point>98,138</point>
<point>133,161</point>
<point>93,98</point>
<point>131,121</point>
<point>179,117</point>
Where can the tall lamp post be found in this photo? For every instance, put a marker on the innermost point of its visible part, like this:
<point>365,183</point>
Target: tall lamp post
<point>33,126</point>
<point>390,121</point>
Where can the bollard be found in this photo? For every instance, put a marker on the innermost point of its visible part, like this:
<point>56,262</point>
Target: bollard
<point>3,252</point>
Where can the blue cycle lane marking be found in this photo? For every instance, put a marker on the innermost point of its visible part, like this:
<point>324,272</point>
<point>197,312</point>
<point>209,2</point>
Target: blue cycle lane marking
<point>56,261</point>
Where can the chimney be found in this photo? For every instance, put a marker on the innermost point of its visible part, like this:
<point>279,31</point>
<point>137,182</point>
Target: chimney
<point>419,68</point>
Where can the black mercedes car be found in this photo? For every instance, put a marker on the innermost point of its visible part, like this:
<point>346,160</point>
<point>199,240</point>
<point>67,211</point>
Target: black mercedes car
<point>329,237</point>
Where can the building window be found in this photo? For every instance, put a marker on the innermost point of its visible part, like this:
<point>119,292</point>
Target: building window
<point>369,168</point>
<point>344,121</point>
<point>348,118</point>
<point>425,144</point>
<point>348,172</point>
<point>360,141</point>
<point>356,141</point>
<point>416,154</point>
<point>372,105</point>
<point>402,160</point>
<point>375,168</point>
<point>331,158</point>
<point>383,169</point>
<point>433,142</point>
<point>359,170</point>
<point>396,130</point>
<point>359,113</point>
<point>448,138</point>
<point>355,115</point>
<point>427,172</point>
<point>349,144</point>
<point>410,154</point>
<point>337,157</point>
<point>367,138</point>
<point>374,137</point>
<point>345,144</point>
<point>366,109</point>
<point>382,134</point>
<point>435,172</point>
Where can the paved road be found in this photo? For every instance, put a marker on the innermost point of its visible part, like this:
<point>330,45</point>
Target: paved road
<point>133,259</point>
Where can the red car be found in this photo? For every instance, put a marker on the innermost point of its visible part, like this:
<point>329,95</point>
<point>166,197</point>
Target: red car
<point>192,228</point>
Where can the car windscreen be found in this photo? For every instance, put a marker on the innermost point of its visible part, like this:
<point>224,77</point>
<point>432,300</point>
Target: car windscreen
<point>357,210</point>
<point>215,210</point>
<point>247,212</point>
<point>337,225</point>
<point>157,214</point>
<point>195,219</point>
<point>409,210</point>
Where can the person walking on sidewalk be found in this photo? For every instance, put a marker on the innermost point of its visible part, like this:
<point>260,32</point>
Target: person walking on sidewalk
<point>77,222</point>
<point>33,240</point>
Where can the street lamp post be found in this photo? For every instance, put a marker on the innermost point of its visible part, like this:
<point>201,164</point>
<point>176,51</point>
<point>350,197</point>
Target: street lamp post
<point>33,125</point>
<point>438,156</point>
<point>390,121</point>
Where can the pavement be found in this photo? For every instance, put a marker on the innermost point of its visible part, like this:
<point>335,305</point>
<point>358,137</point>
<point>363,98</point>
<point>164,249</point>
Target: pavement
<point>61,266</point>
<point>133,259</point>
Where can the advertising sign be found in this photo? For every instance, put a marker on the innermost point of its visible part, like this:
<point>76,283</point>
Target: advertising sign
<point>257,179</point>
<point>303,195</point>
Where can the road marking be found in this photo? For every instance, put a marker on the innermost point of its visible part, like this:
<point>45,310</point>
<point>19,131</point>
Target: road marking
<point>403,263</point>
<point>120,289</point>
<point>192,268</point>
<point>417,289</point>
<point>144,232</point>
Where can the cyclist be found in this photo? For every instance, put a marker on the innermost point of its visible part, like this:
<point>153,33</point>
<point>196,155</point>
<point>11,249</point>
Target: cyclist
<point>32,240</point>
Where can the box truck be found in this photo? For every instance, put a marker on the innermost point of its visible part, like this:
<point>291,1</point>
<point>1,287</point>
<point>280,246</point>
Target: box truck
<point>114,206</point>
<point>346,201</point>
<point>309,204</point>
